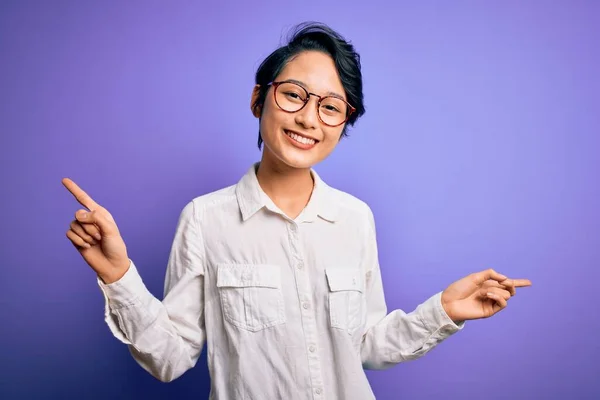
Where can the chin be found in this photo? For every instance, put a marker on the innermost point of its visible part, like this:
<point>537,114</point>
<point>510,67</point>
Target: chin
<point>293,158</point>
<point>292,154</point>
<point>297,161</point>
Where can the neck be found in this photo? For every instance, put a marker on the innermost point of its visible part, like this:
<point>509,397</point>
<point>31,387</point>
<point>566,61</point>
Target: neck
<point>289,188</point>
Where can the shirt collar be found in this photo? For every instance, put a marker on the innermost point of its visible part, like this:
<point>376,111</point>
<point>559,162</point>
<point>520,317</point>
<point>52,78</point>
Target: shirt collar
<point>252,198</point>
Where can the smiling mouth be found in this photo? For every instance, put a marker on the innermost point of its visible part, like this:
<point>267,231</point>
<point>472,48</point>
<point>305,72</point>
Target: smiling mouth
<point>300,139</point>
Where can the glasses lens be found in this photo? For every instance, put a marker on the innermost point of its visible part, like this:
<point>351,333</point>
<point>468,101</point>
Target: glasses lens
<point>333,111</point>
<point>290,96</point>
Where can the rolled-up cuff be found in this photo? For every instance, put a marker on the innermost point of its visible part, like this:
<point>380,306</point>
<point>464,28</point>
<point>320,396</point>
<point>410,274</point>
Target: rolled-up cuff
<point>436,319</point>
<point>125,292</point>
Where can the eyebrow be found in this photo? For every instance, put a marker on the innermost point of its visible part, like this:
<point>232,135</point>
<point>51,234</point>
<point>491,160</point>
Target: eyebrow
<point>305,86</point>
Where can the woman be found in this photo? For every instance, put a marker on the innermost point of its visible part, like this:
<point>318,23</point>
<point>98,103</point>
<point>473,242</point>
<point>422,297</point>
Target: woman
<point>279,273</point>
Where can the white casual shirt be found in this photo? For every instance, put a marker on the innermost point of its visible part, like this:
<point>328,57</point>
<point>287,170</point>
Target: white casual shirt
<point>289,309</point>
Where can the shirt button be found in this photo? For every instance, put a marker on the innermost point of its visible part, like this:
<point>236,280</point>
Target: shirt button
<point>318,391</point>
<point>293,228</point>
<point>312,349</point>
<point>300,265</point>
<point>305,306</point>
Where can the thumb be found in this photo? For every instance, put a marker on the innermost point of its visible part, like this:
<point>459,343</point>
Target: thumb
<point>102,219</point>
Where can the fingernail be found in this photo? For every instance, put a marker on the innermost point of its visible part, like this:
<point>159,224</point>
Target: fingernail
<point>86,245</point>
<point>83,215</point>
<point>97,236</point>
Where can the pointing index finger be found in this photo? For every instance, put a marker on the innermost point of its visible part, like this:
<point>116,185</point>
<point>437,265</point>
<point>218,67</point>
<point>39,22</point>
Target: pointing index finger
<point>82,197</point>
<point>518,282</point>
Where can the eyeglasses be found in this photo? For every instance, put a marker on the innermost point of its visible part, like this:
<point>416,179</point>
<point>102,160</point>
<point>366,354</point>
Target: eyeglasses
<point>291,98</point>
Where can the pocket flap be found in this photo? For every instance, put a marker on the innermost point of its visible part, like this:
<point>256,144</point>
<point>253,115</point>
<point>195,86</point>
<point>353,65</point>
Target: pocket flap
<point>345,279</point>
<point>248,275</point>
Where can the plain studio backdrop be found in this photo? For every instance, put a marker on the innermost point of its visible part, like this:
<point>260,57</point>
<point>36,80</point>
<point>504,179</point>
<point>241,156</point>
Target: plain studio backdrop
<point>479,149</point>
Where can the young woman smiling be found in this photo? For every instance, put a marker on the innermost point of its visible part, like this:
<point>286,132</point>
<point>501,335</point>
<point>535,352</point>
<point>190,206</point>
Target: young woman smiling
<point>279,274</point>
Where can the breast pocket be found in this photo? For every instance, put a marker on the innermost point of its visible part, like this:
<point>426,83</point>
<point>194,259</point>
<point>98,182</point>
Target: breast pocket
<point>346,299</point>
<point>251,296</point>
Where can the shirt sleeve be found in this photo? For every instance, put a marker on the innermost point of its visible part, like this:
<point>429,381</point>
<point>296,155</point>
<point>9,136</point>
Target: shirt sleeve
<point>165,338</point>
<point>398,336</point>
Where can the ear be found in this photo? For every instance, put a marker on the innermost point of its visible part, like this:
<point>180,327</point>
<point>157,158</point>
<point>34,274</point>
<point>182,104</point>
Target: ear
<point>256,111</point>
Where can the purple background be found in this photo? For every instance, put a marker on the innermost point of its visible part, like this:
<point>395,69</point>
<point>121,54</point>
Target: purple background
<point>479,149</point>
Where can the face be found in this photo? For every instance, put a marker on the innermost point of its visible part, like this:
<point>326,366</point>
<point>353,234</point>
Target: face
<point>300,139</point>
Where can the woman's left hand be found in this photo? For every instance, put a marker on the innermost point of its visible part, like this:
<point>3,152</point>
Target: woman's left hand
<point>479,295</point>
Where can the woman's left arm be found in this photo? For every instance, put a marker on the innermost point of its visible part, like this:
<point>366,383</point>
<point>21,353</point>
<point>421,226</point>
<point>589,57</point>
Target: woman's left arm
<point>392,338</point>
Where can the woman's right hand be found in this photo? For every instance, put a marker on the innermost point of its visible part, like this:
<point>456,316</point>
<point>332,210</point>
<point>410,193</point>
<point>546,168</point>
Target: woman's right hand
<point>95,234</point>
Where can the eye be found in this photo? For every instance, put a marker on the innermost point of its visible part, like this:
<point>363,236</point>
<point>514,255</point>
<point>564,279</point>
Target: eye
<point>333,105</point>
<point>330,107</point>
<point>293,95</point>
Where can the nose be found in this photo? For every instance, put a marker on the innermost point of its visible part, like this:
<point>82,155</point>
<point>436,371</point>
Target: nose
<point>307,117</point>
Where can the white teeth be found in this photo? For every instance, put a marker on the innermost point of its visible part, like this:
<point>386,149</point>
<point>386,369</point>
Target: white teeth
<point>300,139</point>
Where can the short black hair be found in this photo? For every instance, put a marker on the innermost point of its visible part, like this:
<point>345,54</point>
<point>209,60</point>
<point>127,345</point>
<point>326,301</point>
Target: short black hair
<point>319,37</point>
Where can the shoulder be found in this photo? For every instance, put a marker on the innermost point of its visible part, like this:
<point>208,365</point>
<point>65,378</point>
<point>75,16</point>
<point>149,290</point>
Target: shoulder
<point>350,205</point>
<point>218,198</point>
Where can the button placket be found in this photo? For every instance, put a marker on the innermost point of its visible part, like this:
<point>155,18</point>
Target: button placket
<point>309,323</point>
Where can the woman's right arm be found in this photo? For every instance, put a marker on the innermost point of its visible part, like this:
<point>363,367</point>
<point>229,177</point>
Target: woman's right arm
<point>165,338</point>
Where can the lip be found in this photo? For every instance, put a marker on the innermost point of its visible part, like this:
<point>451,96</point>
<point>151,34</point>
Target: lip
<point>301,134</point>
<point>298,144</point>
